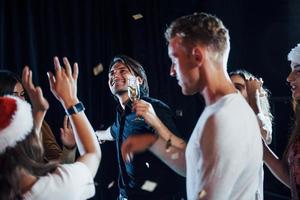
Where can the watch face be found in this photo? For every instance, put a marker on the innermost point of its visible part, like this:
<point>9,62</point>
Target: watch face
<point>75,109</point>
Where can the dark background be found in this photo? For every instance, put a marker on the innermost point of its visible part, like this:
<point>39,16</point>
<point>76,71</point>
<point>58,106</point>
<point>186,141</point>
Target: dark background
<point>91,32</point>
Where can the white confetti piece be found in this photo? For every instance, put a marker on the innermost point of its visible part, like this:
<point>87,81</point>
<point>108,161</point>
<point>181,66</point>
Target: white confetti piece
<point>149,186</point>
<point>98,69</point>
<point>111,184</point>
<point>137,16</point>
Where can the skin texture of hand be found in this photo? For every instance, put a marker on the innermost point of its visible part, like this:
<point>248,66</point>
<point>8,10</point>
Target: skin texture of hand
<point>66,134</point>
<point>64,84</point>
<point>253,86</point>
<point>136,144</point>
<point>39,104</point>
<point>145,110</point>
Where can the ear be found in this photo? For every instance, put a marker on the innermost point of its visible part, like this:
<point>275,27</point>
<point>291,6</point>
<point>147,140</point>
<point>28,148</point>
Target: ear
<point>198,54</point>
<point>140,80</point>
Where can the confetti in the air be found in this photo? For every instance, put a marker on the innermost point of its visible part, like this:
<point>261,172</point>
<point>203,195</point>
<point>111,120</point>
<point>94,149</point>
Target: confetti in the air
<point>149,186</point>
<point>137,16</point>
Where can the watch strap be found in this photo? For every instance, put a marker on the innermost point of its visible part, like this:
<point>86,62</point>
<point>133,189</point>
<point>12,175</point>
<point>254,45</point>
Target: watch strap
<point>75,109</point>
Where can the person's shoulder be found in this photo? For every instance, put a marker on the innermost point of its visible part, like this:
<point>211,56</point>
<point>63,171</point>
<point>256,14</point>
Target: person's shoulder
<point>63,182</point>
<point>156,102</point>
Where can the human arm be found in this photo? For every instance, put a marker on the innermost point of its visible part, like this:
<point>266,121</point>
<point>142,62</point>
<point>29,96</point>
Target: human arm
<point>68,141</point>
<point>64,87</point>
<point>39,104</point>
<point>145,110</point>
<point>278,167</point>
<point>258,100</point>
<point>173,154</point>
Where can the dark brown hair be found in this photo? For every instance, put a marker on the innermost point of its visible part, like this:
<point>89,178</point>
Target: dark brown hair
<point>296,128</point>
<point>8,81</point>
<point>136,68</point>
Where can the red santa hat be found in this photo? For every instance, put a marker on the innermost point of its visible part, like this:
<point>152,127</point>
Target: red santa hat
<point>16,121</point>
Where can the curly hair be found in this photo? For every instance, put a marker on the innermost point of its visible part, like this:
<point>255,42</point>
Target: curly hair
<point>201,28</point>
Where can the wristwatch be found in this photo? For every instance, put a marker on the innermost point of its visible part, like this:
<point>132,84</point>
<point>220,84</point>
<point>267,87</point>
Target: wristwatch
<point>75,109</point>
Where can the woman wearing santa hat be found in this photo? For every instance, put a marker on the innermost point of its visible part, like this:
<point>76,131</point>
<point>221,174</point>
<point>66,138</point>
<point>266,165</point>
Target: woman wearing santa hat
<point>23,174</point>
<point>11,84</point>
<point>287,170</point>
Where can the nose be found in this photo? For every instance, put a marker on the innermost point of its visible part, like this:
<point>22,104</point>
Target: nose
<point>290,77</point>
<point>172,71</point>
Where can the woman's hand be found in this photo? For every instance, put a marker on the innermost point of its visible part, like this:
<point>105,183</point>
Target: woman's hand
<point>64,84</point>
<point>66,134</point>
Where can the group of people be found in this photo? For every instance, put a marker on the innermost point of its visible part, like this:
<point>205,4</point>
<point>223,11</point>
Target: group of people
<point>223,158</point>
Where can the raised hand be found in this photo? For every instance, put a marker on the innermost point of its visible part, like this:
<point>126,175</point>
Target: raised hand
<point>39,103</point>
<point>64,84</point>
<point>66,134</point>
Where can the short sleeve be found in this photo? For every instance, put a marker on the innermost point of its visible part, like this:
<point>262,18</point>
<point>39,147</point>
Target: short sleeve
<point>80,177</point>
<point>69,181</point>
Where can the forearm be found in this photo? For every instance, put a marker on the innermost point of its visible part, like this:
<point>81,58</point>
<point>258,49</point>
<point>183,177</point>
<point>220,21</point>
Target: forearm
<point>276,166</point>
<point>174,157</point>
<point>38,120</point>
<point>166,135</point>
<point>68,155</point>
<point>84,134</point>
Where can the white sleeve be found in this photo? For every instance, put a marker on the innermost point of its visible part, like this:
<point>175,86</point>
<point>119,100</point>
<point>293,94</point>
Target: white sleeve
<point>103,135</point>
<point>78,179</point>
<point>265,125</point>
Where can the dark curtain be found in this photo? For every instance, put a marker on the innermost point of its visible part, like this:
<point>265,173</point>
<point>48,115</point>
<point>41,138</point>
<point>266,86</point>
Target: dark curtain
<point>93,31</point>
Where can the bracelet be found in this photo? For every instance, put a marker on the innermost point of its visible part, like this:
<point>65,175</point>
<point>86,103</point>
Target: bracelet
<point>168,144</point>
<point>75,109</point>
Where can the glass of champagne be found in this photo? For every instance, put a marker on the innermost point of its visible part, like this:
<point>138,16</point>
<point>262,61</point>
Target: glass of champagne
<point>134,91</point>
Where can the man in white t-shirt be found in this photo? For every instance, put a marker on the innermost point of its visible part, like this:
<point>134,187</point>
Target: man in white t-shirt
<point>224,154</point>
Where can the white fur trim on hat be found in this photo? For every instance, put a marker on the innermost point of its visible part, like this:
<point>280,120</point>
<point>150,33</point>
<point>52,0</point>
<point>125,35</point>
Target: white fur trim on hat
<point>20,126</point>
<point>294,55</point>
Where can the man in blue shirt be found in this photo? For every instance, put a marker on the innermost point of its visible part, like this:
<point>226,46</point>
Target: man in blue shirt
<point>145,177</point>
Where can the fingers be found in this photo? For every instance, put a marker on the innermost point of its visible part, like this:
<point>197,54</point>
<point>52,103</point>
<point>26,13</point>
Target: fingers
<point>52,80</point>
<point>75,71</point>
<point>30,84</point>
<point>27,78</point>
<point>25,75</point>
<point>62,132</point>
<point>57,66</point>
<point>68,69</point>
<point>65,125</point>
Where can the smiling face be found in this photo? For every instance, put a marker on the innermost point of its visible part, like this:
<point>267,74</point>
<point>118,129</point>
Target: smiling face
<point>294,80</point>
<point>118,78</point>
<point>183,67</point>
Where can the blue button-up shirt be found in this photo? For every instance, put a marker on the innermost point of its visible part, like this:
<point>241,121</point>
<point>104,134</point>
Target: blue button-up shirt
<point>144,166</point>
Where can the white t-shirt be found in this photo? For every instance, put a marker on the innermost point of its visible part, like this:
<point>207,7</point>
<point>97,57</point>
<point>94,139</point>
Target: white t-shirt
<point>69,181</point>
<point>224,153</point>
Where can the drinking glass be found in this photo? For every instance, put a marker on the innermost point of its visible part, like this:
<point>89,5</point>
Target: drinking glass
<point>134,91</point>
